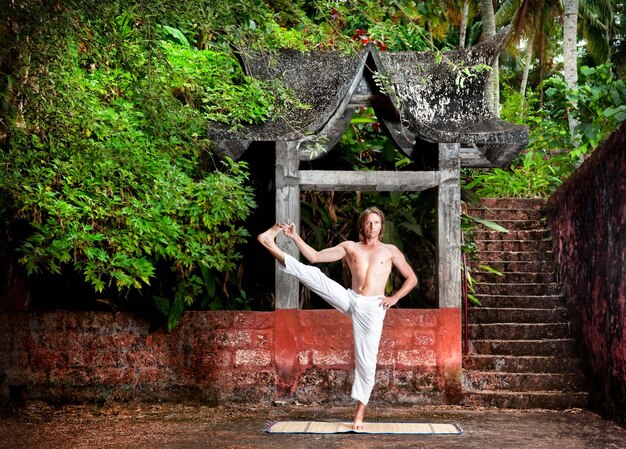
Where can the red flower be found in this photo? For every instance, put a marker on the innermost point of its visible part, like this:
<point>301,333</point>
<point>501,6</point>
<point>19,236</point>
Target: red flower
<point>361,35</point>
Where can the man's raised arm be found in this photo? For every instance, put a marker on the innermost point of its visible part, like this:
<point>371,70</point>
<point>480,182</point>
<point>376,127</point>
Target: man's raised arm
<point>326,255</point>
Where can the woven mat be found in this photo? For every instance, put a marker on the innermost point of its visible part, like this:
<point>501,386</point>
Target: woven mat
<point>368,427</point>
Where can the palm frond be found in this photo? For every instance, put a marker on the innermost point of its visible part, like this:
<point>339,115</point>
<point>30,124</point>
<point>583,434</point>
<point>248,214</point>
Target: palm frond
<point>506,13</point>
<point>598,24</point>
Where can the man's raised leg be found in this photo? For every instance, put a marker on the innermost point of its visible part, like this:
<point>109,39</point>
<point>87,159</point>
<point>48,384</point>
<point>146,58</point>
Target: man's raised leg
<point>268,240</point>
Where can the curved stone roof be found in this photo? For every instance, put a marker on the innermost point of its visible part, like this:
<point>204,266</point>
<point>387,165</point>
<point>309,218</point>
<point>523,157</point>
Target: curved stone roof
<point>318,80</point>
<point>427,98</point>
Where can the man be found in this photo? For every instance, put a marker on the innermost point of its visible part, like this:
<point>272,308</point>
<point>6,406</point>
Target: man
<point>370,262</point>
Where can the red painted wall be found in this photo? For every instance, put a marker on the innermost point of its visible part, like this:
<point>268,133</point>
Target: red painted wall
<point>587,215</point>
<point>213,357</point>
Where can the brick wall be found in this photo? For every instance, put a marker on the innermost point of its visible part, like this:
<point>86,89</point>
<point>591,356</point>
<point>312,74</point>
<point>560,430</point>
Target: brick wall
<point>588,220</point>
<point>214,357</point>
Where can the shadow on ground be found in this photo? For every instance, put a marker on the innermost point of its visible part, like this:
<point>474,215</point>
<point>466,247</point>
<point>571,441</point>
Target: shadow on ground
<point>176,426</point>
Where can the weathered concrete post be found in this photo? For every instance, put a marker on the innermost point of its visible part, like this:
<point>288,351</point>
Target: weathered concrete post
<point>287,208</point>
<point>449,226</point>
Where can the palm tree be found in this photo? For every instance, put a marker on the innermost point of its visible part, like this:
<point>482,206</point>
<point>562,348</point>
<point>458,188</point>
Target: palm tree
<point>463,26</point>
<point>570,57</point>
<point>534,21</point>
<point>618,45</point>
<point>527,62</point>
<point>598,25</point>
<point>492,89</point>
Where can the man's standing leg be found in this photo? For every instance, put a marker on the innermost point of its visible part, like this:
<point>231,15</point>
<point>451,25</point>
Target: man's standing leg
<point>367,324</point>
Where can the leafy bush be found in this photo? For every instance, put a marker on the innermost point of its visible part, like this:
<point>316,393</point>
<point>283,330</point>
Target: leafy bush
<point>545,118</point>
<point>533,175</point>
<point>104,158</point>
<point>601,100</point>
<point>212,82</point>
<point>551,155</point>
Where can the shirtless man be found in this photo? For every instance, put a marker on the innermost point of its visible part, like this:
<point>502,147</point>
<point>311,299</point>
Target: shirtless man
<point>370,262</point>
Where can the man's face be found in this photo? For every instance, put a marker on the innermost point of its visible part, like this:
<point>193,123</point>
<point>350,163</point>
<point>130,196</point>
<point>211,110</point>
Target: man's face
<point>371,226</point>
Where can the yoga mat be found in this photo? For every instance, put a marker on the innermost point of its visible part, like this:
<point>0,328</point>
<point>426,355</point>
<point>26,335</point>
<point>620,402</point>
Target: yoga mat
<point>368,427</point>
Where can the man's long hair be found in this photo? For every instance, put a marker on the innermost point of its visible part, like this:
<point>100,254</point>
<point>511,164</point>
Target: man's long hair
<point>361,220</point>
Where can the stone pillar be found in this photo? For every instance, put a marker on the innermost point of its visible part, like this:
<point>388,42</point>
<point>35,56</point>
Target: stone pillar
<point>449,226</point>
<point>287,208</point>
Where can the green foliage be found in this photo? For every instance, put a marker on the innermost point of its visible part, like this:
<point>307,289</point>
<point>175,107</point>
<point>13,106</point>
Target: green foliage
<point>399,25</point>
<point>546,119</point>
<point>113,215</point>
<point>533,175</point>
<point>472,283</point>
<point>105,159</point>
<point>106,170</point>
<point>465,73</point>
<point>551,156</point>
<point>601,98</point>
<point>213,83</point>
<point>364,145</point>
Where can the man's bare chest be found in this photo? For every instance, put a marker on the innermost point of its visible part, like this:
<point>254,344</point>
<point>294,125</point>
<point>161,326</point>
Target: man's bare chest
<point>366,258</point>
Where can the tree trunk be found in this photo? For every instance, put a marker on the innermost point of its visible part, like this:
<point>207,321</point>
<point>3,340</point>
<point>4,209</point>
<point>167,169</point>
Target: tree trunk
<point>463,30</point>
<point>430,37</point>
<point>542,55</point>
<point>492,89</point>
<point>570,58</point>
<point>527,62</point>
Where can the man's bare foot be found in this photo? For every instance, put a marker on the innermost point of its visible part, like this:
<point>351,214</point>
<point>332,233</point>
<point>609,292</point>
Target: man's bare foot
<point>267,239</point>
<point>358,417</point>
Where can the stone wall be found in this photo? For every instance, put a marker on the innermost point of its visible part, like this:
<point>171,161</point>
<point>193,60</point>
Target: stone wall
<point>587,215</point>
<point>215,357</point>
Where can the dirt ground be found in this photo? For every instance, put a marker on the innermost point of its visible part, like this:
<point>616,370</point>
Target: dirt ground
<point>176,426</point>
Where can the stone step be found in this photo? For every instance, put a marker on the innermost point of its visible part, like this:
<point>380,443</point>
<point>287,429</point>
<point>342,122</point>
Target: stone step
<point>487,315</point>
<point>524,266</point>
<point>521,351</point>
<point>511,203</point>
<point>495,213</point>
<point>515,234</point>
<point>521,364</point>
<point>551,400</point>
<point>562,347</point>
<point>487,380</point>
<point>519,331</point>
<point>508,277</point>
<point>522,301</point>
<point>512,224</point>
<point>487,256</point>
<point>518,289</point>
<point>513,245</point>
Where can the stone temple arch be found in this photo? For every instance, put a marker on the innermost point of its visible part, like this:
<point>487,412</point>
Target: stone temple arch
<point>433,108</point>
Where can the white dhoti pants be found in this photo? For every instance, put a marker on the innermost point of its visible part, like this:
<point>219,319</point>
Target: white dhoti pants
<point>367,321</point>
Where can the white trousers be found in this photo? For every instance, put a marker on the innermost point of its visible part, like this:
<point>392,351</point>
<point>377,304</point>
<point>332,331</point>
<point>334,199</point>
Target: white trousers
<point>367,321</point>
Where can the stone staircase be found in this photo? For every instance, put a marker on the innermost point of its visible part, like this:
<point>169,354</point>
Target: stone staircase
<point>521,349</point>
